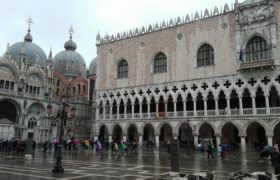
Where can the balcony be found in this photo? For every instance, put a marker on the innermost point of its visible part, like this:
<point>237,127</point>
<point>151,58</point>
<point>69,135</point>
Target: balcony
<point>256,65</point>
<point>199,113</point>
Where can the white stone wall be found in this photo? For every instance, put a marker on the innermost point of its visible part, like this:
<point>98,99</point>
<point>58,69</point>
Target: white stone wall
<point>181,54</point>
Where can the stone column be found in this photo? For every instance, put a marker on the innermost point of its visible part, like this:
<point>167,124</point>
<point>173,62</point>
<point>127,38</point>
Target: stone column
<point>254,104</point>
<point>175,108</point>
<point>124,138</point>
<point>95,137</point>
<point>140,143</point>
<point>195,140</point>
<point>140,109</point>
<point>111,111</point>
<point>216,107</point>
<point>269,140</point>
<point>267,104</point>
<point>110,138</point>
<point>97,113</point>
<point>165,108</point>
<point>218,140</point>
<point>157,115</point>
<point>240,105</point>
<point>157,142</point>
<point>132,110</point>
<point>118,111</point>
<point>104,115</point>
<point>205,106</point>
<point>175,136</point>
<point>228,106</point>
<point>185,107</point>
<point>125,114</point>
<point>194,107</point>
<point>243,143</point>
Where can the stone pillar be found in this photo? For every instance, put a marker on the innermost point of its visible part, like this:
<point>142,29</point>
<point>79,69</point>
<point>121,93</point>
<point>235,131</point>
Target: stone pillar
<point>95,137</point>
<point>140,143</point>
<point>157,115</point>
<point>104,117</point>
<point>140,109</point>
<point>118,111</point>
<point>149,112</point>
<point>195,140</point>
<point>243,143</point>
<point>185,107</point>
<point>157,141</point>
<point>228,106</point>
<point>124,138</point>
<point>267,104</point>
<point>269,140</point>
<point>218,140</point>
<point>110,138</point>
<point>111,111</point>
<point>132,109</point>
<point>216,107</point>
<point>205,106</point>
<point>254,104</point>
<point>97,113</point>
<point>175,108</point>
<point>125,114</point>
<point>194,107</point>
<point>240,105</point>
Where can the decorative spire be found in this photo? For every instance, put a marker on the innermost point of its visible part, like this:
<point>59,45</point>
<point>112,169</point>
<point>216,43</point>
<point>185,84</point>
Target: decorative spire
<point>50,61</point>
<point>29,22</point>
<point>28,36</point>
<point>71,31</point>
<point>70,45</point>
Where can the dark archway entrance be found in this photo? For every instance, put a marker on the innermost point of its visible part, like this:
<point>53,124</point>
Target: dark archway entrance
<point>185,136</point>
<point>165,135</point>
<point>148,135</point>
<point>117,133</point>
<point>132,133</point>
<point>103,134</point>
<point>230,135</point>
<point>256,136</point>
<point>276,134</point>
<point>206,135</point>
<point>8,111</point>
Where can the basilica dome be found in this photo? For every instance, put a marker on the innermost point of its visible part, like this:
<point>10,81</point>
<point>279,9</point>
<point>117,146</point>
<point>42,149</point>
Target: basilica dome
<point>69,62</point>
<point>93,66</point>
<point>31,51</point>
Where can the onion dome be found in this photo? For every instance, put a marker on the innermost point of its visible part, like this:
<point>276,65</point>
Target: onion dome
<point>93,67</point>
<point>28,50</point>
<point>69,62</point>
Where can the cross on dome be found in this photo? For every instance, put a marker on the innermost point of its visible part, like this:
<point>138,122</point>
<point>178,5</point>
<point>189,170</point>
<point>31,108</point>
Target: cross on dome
<point>71,31</point>
<point>29,22</point>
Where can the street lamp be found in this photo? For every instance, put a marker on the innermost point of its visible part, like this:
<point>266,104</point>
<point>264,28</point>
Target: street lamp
<point>63,115</point>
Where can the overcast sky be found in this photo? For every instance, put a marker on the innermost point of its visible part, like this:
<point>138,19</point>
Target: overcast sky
<point>53,18</point>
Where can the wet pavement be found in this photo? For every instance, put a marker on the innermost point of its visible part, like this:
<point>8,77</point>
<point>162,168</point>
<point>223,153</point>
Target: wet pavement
<point>147,164</point>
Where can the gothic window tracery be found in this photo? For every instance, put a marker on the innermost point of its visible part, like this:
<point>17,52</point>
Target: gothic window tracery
<point>257,49</point>
<point>205,55</point>
<point>122,69</point>
<point>160,63</point>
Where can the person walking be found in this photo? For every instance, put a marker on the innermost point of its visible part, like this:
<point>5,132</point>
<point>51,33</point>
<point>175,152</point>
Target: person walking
<point>210,151</point>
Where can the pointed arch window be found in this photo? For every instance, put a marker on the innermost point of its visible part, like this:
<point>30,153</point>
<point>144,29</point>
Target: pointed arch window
<point>205,55</point>
<point>122,69</point>
<point>257,49</point>
<point>160,63</point>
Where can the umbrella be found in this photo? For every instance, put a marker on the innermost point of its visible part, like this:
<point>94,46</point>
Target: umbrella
<point>68,141</point>
<point>269,148</point>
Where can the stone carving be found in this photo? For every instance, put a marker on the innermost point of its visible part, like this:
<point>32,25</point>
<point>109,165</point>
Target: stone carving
<point>256,14</point>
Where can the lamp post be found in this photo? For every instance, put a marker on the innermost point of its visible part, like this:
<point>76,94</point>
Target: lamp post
<point>63,115</point>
